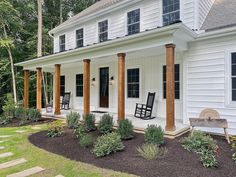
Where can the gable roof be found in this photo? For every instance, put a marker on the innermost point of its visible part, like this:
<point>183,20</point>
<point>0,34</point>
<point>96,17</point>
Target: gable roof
<point>98,6</point>
<point>221,15</point>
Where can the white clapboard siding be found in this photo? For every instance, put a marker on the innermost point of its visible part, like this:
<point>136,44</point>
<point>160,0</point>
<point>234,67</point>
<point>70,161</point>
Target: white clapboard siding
<point>204,9</point>
<point>187,13</point>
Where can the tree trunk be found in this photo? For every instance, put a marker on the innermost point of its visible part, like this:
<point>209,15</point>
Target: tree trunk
<point>40,23</point>
<point>12,67</point>
<point>61,17</point>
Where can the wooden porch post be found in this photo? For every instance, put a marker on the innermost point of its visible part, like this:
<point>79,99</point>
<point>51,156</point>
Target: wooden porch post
<point>86,89</point>
<point>39,89</point>
<point>57,89</point>
<point>170,87</point>
<point>26,89</point>
<point>121,86</point>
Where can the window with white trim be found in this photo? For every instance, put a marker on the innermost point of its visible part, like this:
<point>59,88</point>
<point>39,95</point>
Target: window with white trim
<point>233,75</point>
<point>62,85</point>
<point>177,81</point>
<point>62,43</point>
<point>133,83</point>
<point>133,22</point>
<point>80,38</point>
<point>79,85</point>
<point>171,11</point>
<point>103,31</point>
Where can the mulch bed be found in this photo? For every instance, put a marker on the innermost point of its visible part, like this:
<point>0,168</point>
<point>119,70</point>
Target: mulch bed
<point>177,162</point>
<point>16,122</point>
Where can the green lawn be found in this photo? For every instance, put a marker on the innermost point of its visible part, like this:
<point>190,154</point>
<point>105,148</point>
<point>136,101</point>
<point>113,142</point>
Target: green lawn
<point>54,164</point>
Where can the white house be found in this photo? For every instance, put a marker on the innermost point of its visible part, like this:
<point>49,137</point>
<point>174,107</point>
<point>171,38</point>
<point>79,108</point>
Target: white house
<point>113,53</point>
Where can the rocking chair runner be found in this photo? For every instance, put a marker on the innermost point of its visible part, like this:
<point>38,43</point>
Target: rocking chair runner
<point>144,111</point>
<point>65,103</point>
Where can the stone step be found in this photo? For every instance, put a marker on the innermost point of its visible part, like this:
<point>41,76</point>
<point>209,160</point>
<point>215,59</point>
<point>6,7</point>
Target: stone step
<point>12,163</point>
<point>1,141</point>
<point>5,136</point>
<point>59,176</point>
<point>20,131</point>
<point>7,154</point>
<point>2,147</point>
<point>28,172</point>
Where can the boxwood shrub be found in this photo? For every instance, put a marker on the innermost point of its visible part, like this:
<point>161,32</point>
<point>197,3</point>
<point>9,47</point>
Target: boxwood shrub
<point>105,124</point>
<point>125,129</point>
<point>72,120</point>
<point>154,135</point>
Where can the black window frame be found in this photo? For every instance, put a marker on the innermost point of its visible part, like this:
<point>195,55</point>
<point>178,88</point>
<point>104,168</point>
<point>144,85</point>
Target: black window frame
<point>62,43</point>
<point>80,38</point>
<point>177,81</point>
<point>103,31</point>
<point>133,22</point>
<point>233,76</point>
<point>79,85</point>
<point>133,84</point>
<point>62,85</point>
<point>170,11</point>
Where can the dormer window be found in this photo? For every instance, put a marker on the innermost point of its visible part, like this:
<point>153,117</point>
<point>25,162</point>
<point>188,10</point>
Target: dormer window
<point>80,38</point>
<point>103,31</point>
<point>133,21</point>
<point>62,43</point>
<point>171,11</point>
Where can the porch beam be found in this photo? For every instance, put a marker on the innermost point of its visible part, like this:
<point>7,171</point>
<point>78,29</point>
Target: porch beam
<point>26,89</point>
<point>121,86</point>
<point>170,87</point>
<point>86,89</point>
<point>39,89</point>
<point>57,89</point>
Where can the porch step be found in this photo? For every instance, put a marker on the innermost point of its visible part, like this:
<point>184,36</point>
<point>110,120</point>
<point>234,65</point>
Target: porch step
<point>7,154</point>
<point>12,163</point>
<point>28,172</point>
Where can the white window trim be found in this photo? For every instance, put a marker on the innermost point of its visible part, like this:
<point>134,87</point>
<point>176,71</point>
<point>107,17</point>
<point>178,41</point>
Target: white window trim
<point>78,85</point>
<point>162,12</point>
<point>76,36</point>
<point>60,44</point>
<point>108,29</point>
<point>228,80</point>
<point>126,19</point>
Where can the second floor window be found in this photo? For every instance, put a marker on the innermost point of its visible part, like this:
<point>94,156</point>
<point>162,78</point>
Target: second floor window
<point>171,11</point>
<point>62,42</point>
<point>103,31</point>
<point>80,38</point>
<point>134,22</point>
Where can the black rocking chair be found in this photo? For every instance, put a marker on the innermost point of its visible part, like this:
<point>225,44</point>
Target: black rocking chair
<point>144,111</point>
<point>65,103</point>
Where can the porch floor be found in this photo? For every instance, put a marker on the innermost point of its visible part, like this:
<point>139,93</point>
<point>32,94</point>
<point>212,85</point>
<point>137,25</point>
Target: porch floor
<point>139,124</point>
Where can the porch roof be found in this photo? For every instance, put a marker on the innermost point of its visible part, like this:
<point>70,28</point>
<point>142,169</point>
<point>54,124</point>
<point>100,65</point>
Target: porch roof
<point>177,33</point>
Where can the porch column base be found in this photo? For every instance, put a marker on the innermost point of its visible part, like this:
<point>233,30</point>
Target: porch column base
<point>57,89</point>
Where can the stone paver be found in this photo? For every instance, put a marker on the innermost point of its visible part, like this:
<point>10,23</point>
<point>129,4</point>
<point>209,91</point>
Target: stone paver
<point>5,136</point>
<point>7,154</point>
<point>59,176</point>
<point>28,172</point>
<point>1,141</point>
<point>2,147</point>
<point>12,163</point>
<point>20,131</point>
<point>36,128</point>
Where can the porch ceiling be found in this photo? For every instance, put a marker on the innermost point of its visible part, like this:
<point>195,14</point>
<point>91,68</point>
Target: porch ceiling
<point>148,42</point>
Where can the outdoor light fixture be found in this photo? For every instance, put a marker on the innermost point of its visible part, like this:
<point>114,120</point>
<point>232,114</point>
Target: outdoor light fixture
<point>112,81</point>
<point>93,81</point>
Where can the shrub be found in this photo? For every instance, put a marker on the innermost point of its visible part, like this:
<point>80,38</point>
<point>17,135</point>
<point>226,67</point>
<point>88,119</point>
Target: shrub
<point>154,135</point>
<point>106,124</point>
<point>72,120</point>
<point>233,144</point>
<point>86,140</point>
<point>9,106</point>
<point>4,120</point>
<point>125,129</point>
<point>33,115</point>
<point>234,157</point>
<point>55,129</point>
<point>107,144</point>
<point>203,145</point>
<point>20,113</point>
<point>89,122</point>
<point>151,151</point>
<point>79,131</point>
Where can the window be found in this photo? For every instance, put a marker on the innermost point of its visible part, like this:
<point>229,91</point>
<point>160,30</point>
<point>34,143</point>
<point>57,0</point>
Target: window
<point>62,43</point>
<point>171,12</point>
<point>233,75</point>
<point>177,82</point>
<point>80,38</point>
<point>133,83</point>
<point>134,22</point>
<point>103,31</point>
<point>62,86</point>
<point>79,85</point>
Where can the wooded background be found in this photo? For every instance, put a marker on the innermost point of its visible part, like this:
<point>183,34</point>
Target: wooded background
<point>19,39</point>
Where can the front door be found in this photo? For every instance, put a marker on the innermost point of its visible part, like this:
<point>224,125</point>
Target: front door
<point>104,87</point>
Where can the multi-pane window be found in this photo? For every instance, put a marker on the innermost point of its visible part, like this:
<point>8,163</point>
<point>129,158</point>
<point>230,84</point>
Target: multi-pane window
<point>171,11</point>
<point>62,43</point>
<point>133,83</point>
<point>133,22</point>
<point>80,38</point>
<point>62,85</point>
<point>79,85</point>
<point>177,82</point>
<point>103,31</point>
<point>233,75</point>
